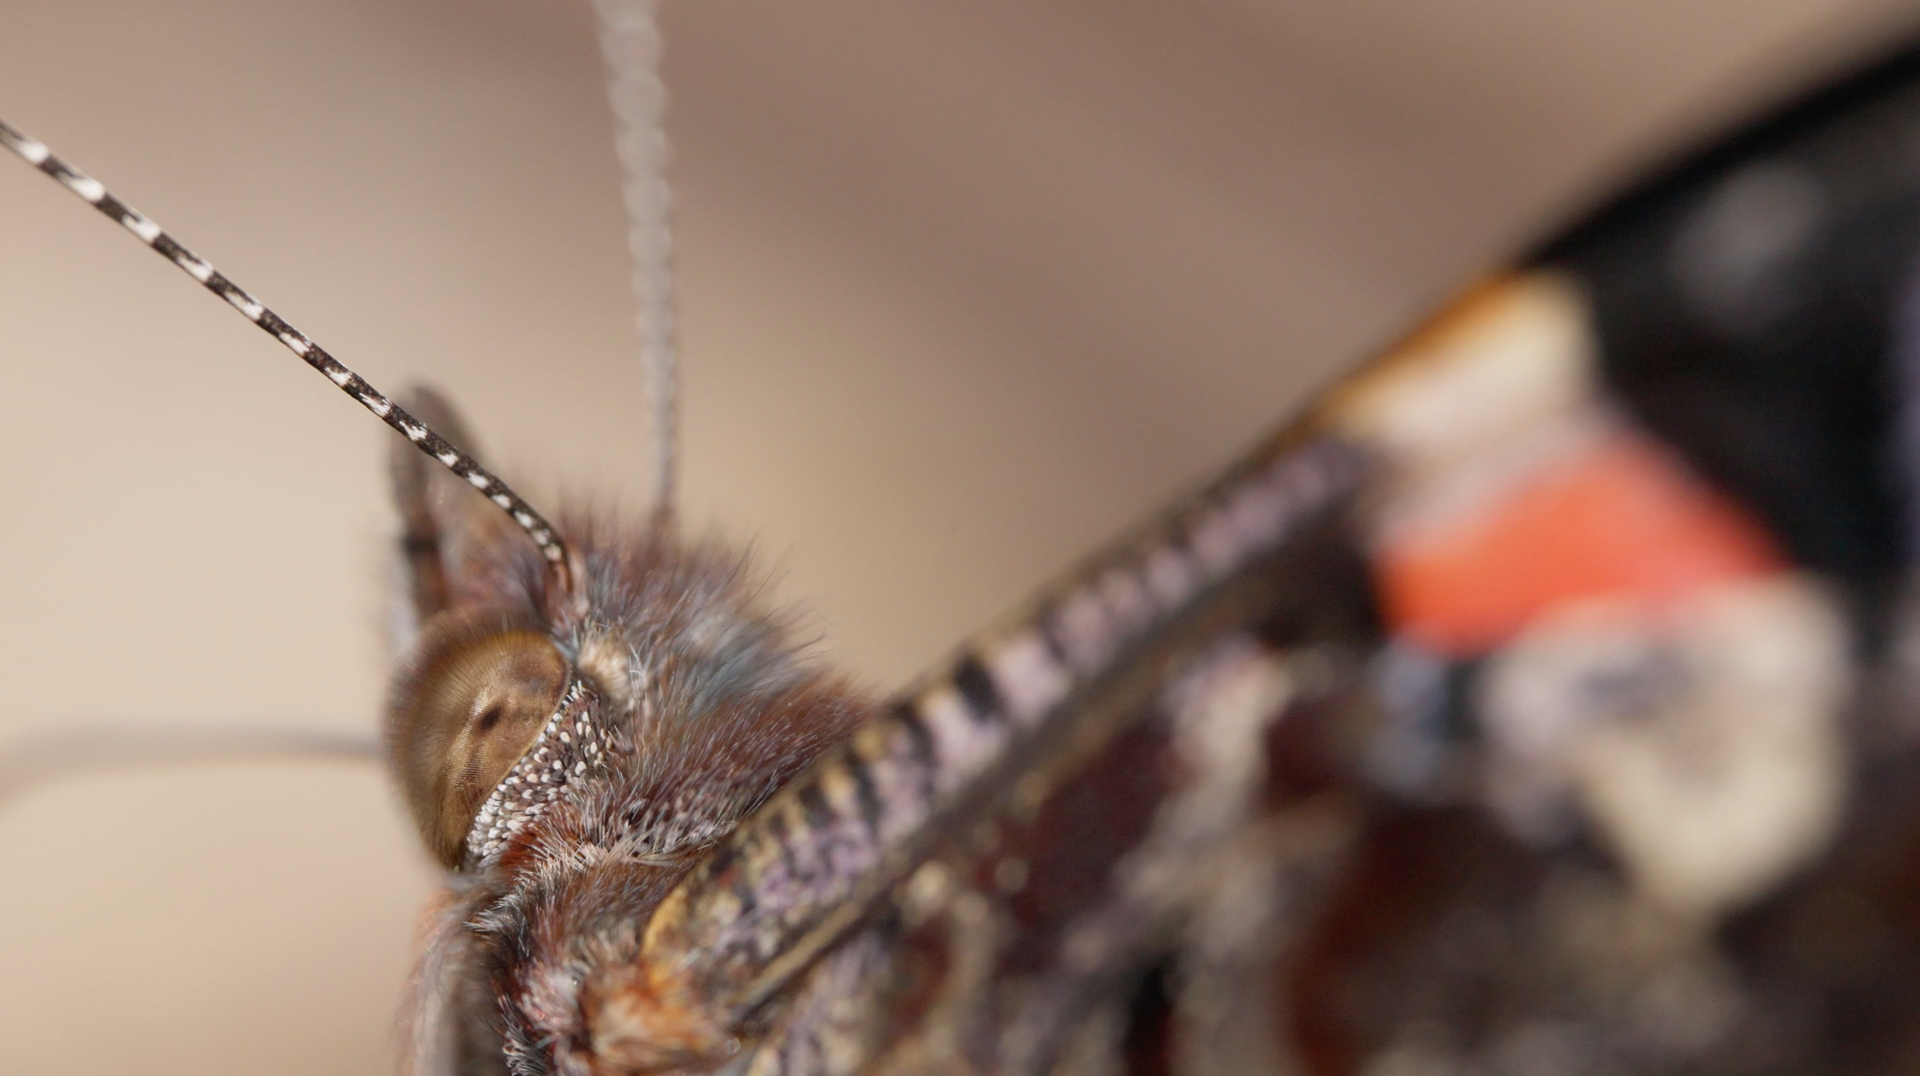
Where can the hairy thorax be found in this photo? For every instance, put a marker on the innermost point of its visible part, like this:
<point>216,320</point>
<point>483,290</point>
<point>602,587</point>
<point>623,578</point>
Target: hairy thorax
<point>608,744</point>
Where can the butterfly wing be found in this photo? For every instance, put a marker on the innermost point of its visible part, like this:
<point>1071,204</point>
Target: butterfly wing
<point>1543,626</point>
<point>1023,707</point>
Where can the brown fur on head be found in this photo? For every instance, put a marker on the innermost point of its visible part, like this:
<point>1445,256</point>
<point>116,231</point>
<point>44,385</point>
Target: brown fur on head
<point>705,703</point>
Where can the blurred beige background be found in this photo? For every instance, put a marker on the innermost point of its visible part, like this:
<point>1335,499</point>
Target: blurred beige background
<point>967,286</point>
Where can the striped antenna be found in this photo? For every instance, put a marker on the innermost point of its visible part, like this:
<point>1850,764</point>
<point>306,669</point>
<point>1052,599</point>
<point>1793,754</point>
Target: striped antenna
<point>630,42</point>
<point>559,558</point>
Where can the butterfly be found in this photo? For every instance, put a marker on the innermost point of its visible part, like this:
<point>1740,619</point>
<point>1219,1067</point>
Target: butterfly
<point>310,319</point>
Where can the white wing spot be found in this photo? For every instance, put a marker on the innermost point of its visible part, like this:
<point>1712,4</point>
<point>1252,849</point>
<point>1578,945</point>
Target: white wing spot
<point>1301,480</point>
<point>1027,676</point>
<point>448,458</point>
<point>34,152</point>
<point>478,480</point>
<point>1260,512</point>
<point>1083,628</point>
<point>297,343</point>
<point>1127,601</point>
<point>340,376</point>
<point>1169,577</point>
<point>414,433</point>
<point>503,500</point>
<point>1216,541</point>
<point>961,742</point>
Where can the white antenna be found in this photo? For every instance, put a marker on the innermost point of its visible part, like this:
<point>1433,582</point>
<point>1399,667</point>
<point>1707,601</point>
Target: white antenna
<point>630,42</point>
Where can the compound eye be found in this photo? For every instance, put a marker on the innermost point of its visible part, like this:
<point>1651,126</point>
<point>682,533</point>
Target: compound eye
<point>464,716</point>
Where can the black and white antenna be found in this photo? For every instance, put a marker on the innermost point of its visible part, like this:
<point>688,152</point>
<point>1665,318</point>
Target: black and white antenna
<point>630,42</point>
<point>559,558</point>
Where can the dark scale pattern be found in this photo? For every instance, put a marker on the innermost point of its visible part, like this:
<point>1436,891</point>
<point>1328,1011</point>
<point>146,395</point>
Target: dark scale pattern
<point>423,438</point>
<point>964,729</point>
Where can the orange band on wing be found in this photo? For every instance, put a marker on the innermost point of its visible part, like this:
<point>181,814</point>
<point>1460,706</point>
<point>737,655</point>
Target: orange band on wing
<point>1621,520</point>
